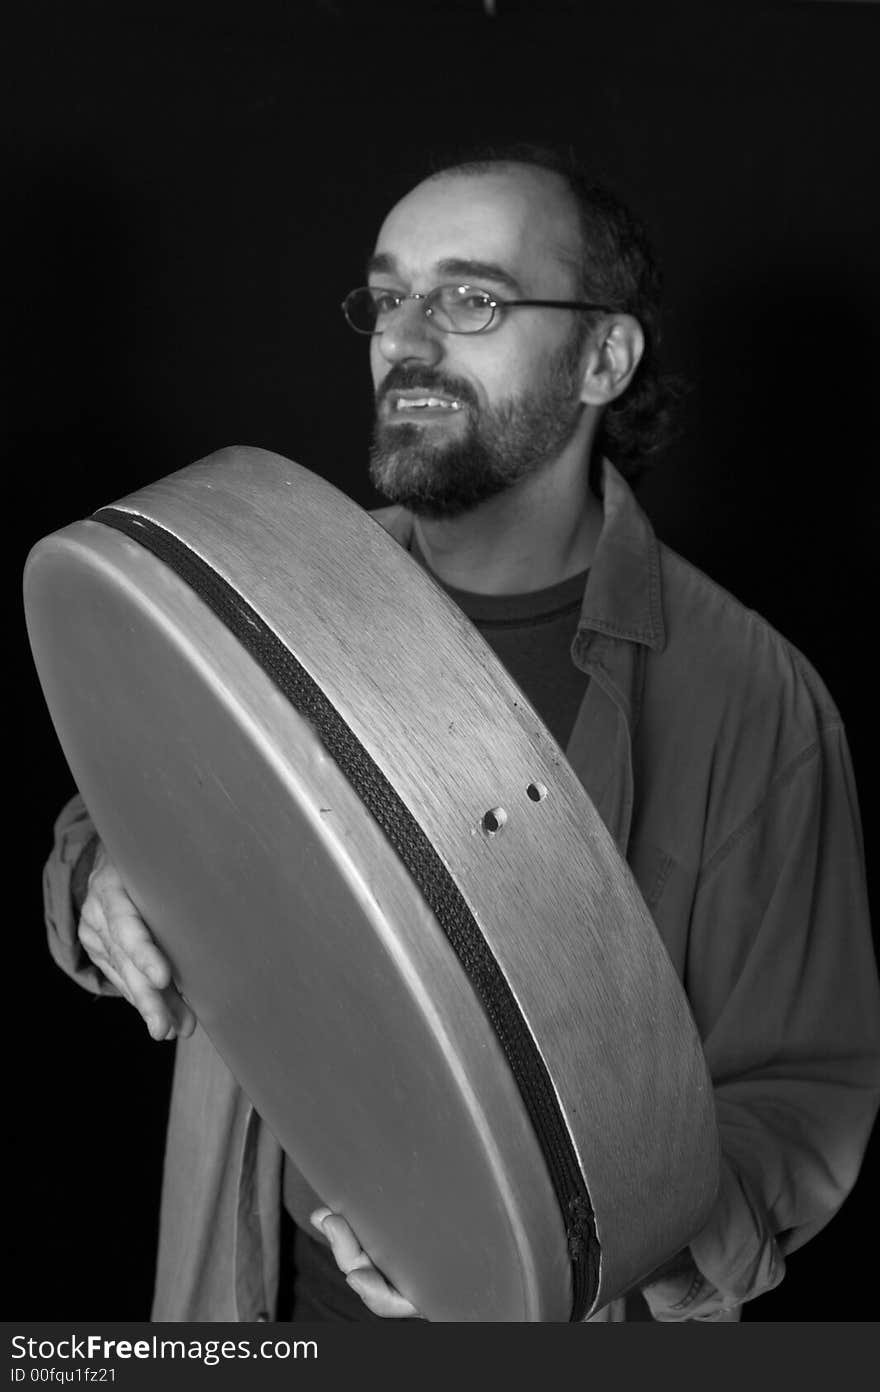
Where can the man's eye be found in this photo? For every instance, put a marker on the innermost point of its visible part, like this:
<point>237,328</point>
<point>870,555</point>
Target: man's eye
<point>385,301</point>
<point>473,299</point>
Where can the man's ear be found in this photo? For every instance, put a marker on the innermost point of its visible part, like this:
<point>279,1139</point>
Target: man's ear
<point>612,358</point>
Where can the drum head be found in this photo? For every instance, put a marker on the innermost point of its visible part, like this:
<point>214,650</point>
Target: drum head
<point>386,895</point>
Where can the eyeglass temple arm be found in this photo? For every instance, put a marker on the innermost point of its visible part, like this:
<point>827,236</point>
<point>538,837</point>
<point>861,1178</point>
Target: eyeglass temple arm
<point>554,304</point>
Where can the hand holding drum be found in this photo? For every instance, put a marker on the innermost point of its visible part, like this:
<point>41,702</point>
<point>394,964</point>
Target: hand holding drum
<point>120,944</point>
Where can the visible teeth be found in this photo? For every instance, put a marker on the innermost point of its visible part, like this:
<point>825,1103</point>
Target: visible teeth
<point>420,403</point>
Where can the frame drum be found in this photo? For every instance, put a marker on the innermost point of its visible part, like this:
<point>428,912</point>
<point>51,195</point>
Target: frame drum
<point>386,895</point>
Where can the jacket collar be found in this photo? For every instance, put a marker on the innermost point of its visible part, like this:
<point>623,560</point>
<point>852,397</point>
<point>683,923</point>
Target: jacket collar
<point>623,595</point>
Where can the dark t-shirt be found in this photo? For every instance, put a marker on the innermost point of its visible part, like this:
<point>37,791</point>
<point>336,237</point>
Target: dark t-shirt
<point>532,634</point>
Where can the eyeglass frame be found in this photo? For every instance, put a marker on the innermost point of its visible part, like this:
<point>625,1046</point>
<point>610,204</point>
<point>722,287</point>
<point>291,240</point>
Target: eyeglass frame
<point>495,304</point>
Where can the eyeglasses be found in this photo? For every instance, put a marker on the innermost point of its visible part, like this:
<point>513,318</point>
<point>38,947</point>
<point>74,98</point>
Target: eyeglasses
<point>458,309</point>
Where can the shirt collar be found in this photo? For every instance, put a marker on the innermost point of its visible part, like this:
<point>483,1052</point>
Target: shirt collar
<point>623,594</point>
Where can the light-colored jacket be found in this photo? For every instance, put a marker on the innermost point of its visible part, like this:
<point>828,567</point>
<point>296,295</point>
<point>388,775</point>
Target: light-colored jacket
<point>718,762</point>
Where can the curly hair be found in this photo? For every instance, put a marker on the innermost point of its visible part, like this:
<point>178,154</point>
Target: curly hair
<point>618,269</point>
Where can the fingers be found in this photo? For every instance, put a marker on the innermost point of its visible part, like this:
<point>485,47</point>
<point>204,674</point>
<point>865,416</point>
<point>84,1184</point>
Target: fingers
<point>379,1296</point>
<point>114,947</point>
<point>119,943</point>
<point>346,1249</point>
<point>360,1273</point>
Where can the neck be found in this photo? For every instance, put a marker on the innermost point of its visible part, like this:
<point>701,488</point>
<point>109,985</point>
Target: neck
<point>539,532</point>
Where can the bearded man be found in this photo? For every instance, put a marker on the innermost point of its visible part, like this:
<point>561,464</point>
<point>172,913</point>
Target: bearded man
<point>512,314</point>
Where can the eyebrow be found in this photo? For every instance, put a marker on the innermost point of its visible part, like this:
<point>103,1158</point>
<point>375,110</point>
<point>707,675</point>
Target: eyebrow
<point>459,267</point>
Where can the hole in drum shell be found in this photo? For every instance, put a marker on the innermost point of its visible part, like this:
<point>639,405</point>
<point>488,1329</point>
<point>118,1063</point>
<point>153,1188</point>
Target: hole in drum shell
<point>494,820</point>
<point>537,792</point>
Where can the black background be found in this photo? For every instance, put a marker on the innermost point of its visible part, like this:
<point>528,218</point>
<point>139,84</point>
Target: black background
<point>191,189</point>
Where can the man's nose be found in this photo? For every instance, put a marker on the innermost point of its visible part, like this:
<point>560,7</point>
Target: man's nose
<point>410,336</point>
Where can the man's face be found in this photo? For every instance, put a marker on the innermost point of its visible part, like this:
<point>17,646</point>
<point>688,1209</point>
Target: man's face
<point>510,396</point>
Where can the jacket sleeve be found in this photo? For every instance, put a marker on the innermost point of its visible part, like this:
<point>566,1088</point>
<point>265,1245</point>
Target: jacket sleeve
<point>782,979</point>
<point>65,882</point>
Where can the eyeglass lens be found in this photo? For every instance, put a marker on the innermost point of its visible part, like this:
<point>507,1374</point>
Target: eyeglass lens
<point>453,308</point>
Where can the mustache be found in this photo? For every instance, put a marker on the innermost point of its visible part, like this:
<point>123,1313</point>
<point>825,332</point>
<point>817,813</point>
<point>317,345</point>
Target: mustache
<point>417,378</point>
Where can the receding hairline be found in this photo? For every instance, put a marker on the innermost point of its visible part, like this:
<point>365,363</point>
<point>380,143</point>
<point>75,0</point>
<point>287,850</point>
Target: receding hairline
<point>486,168</point>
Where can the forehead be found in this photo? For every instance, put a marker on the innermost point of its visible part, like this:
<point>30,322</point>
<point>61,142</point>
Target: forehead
<point>520,220</point>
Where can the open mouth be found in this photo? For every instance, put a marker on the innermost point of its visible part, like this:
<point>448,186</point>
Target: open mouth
<point>402,405</point>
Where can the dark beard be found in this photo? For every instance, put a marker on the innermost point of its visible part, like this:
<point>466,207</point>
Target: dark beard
<point>501,446</point>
